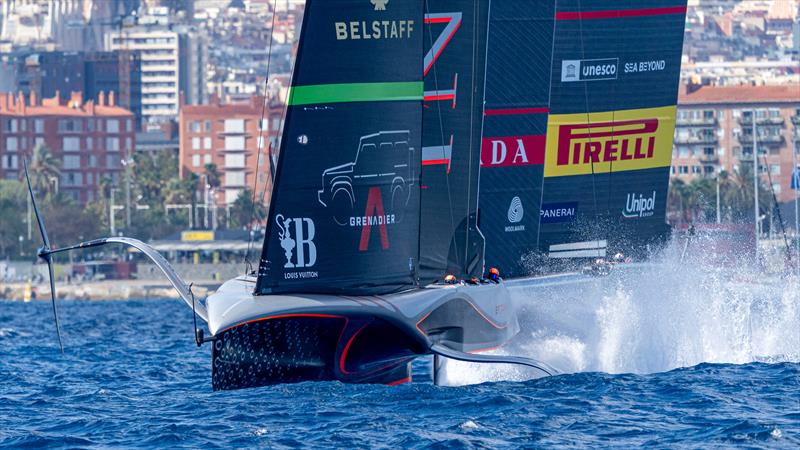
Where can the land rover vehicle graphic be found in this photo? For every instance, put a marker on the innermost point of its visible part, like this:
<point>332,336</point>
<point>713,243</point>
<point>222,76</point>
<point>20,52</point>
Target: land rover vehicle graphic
<point>384,160</point>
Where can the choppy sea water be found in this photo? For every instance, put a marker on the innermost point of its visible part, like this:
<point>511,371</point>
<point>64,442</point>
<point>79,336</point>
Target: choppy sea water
<point>678,358</point>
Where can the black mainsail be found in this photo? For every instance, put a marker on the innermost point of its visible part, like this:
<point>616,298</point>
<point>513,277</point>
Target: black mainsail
<point>515,125</point>
<point>455,65</point>
<point>616,66</point>
<point>345,205</point>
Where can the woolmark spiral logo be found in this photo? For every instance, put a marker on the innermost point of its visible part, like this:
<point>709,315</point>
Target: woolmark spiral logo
<point>515,211</point>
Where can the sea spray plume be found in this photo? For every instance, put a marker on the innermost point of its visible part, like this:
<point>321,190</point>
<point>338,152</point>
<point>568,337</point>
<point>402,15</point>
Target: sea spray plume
<point>655,317</point>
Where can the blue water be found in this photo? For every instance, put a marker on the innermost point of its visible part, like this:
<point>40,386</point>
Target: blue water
<point>132,377</point>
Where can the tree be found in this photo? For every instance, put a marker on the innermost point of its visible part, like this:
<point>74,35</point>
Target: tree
<point>43,169</point>
<point>244,210</point>
<point>213,177</point>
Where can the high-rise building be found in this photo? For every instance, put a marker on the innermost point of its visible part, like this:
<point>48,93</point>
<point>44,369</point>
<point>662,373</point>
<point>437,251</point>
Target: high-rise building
<point>91,139</point>
<point>48,74</point>
<point>172,61</point>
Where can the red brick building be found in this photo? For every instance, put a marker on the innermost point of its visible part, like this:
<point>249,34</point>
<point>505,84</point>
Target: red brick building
<point>227,135</point>
<point>90,139</point>
<point>714,131</point>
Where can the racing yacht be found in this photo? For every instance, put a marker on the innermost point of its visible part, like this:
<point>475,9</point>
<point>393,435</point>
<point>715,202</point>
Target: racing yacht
<point>427,143</point>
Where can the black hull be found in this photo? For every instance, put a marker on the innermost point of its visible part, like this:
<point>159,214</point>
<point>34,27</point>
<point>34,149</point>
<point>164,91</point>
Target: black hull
<point>313,347</point>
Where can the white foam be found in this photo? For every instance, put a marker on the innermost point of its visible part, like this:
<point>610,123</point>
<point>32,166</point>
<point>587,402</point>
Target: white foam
<point>653,318</point>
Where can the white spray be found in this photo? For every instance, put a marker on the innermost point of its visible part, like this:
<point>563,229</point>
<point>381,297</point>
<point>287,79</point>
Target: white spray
<point>653,318</point>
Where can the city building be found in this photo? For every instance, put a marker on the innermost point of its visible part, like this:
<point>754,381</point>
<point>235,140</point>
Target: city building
<point>172,61</point>
<point>91,139</point>
<point>714,131</point>
<point>227,135</point>
<point>92,73</point>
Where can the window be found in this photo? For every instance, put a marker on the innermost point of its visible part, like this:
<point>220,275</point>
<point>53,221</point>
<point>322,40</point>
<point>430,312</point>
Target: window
<point>129,126</point>
<point>207,143</point>
<point>92,161</point>
<point>10,162</point>
<point>71,144</point>
<point>12,144</point>
<point>112,126</point>
<point>196,160</point>
<point>90,178</point>
<point>207,125</point>
<point>775,169</point>
<point>777,188</point>
<point>231,195</point>
<point>234,161</point>
<point>112,162</point>
<point>38,141</point>
<point>234,179</point>
<point>72,179</point>
<point>708,170</point>
<point>38,126</point>
<point>234,126</point>
<point>10,126</point>
<point>72,162</point>
<point>206,159</point>
<point>683,170</point>
<point>708,151</point>
<point>684,152</point>
<point>696,170</point>
<point>234,142</point>
<point>90,125</point>
<point>112,144</point>
<point>128,144</point>
<point>672,170</point>
<point>69,126</point>
<point>89,143</point>
<point>195,143</point>
<point>194,126</point>
<point>276,124</point>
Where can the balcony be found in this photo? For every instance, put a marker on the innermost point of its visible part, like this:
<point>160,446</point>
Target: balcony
<point>701,122</point>
<point>711,159</point>
<point>766,139</point>
<point>748,120</point>
<point>706,139</point>
<point>796,119</point>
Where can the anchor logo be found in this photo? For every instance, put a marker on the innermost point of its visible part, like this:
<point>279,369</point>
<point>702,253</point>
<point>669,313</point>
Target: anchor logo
<point>380,5</point>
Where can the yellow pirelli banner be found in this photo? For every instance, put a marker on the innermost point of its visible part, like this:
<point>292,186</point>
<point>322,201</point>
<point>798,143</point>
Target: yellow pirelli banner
<point>602,142</point>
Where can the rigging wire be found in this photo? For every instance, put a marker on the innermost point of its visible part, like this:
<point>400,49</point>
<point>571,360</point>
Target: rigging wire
<point>586,104</point>
<point>260,144</point>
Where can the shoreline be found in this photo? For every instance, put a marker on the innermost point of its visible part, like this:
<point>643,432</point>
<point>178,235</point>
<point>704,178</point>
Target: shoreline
<point>106,290</point>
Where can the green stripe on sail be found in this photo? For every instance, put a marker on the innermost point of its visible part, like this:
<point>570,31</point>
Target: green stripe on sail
<point>356,92</point>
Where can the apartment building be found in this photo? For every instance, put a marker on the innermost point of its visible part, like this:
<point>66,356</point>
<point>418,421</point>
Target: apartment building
<point>227,135</point>
<point>714,131</point>
<point>173,61</point>
<point>90,139</point>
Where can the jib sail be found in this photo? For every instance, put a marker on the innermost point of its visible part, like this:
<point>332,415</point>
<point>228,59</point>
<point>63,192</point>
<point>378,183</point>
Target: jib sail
<point>344,215</point>
<point>455,64</point>
<point>514,129</point>
<point>609,138</point>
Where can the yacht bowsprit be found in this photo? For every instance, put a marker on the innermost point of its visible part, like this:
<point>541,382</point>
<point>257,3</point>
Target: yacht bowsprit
<point>374,251</point>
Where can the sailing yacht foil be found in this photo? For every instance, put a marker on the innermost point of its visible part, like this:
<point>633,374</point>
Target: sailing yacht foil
<point>424,141</point>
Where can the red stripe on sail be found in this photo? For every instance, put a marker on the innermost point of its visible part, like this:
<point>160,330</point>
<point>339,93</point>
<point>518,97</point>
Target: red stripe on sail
<point>619,13</point>
<point>515,111</point>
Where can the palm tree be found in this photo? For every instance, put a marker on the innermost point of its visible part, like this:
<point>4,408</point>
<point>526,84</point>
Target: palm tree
<point>43,168</point>
<point>213,177</point>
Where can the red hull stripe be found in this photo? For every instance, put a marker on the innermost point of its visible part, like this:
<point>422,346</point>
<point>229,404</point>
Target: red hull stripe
<point>620,13</point>
<point>517,111</point>
<point>400,381</point>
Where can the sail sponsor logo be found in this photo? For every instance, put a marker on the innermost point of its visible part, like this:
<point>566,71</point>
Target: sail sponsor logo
<point>355,30</point>
<point>573,70</point>
<point>296,238</point>
<point>515,215</point>
<point>512,151</point>
<point>614,141</point>
<point>638,206</point>
<point>374,216</point>
<point>645,66</point>
<point>380,5</point>
<point>558,212</point>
